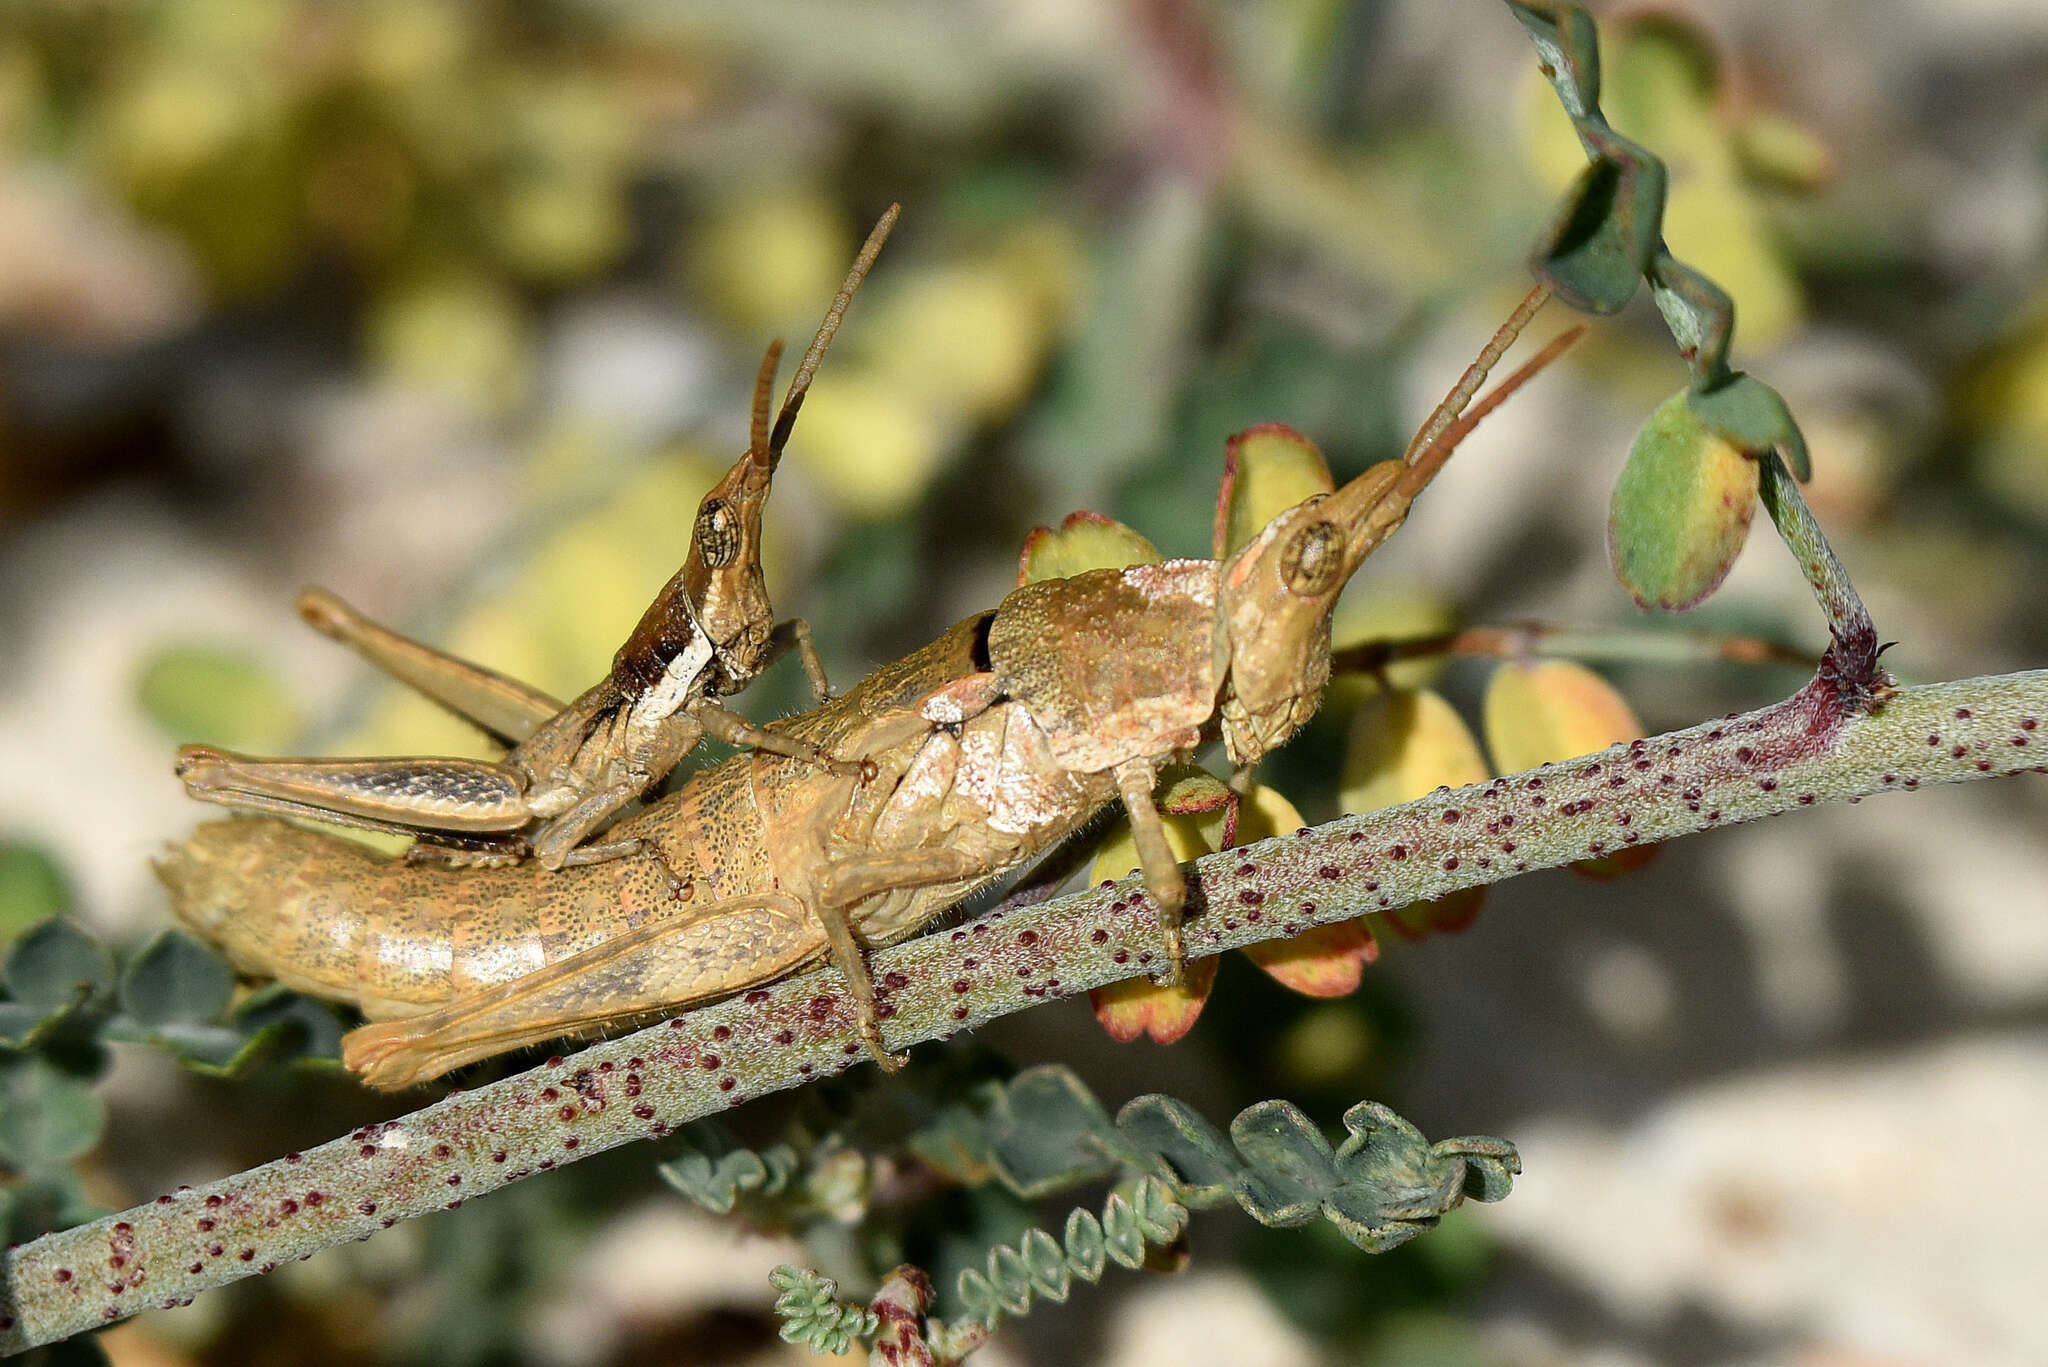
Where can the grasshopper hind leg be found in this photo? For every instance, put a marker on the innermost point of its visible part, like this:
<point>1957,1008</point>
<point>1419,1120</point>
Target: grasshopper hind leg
<point>414,796</point>
<point>502,706</point>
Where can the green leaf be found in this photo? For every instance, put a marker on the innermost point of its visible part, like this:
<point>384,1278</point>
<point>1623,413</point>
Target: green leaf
<point>1050,1133</point>
<point>713,1168</point>
<point>1569,48</point>
<point>1201,1158</point>
<point>977,1297</point>
<point>212,696</point>
<point>1290,1165</point>
<point>1595,249</point>
<point>955,1141</point>
<point>1491,1165</point>
<point>32,888</point>
<point>1160,1218</point>
<point>1011,1279</point>
<point>288,1024</point>
<point>209,1049</point>
<point>1122,1239</point>
<point>175,979</point>
<point>1047,1266</point>
<point>56,966</point>
<point>1680,510</point>
<point>1087,1250</point>
<point>1753,417</point>
<point>1397,1185</point>
<point>47,1118</point>
<point>39,1204</point>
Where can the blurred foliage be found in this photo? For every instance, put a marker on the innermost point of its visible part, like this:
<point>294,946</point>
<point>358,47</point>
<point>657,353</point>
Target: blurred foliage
<point>1042,1132</point>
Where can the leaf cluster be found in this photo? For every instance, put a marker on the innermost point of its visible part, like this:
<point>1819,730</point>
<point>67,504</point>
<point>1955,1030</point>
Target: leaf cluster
<point>64,997</point>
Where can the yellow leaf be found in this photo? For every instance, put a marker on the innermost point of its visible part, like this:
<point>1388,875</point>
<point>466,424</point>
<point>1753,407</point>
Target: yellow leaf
<point>1326,961</point>
<point>1189,837</point>
<point>1264,814</point>
<point>1142,1007</point>
<point>1548,710</point>
<point>1085,541</point>
<point>1266,470</point>
<point>1403,744</point>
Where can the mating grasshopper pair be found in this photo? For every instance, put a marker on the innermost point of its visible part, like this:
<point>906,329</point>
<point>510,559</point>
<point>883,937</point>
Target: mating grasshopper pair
<point>949,768</point>
<point>570,770</point>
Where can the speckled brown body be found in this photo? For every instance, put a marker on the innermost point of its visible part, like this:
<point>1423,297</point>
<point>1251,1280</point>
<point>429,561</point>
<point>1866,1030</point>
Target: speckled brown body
<point>957,764</point>
<point>985,748</point>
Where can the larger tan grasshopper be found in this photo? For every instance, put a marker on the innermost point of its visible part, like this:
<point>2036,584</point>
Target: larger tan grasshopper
<point>987,747</point>
<point>571,769</point>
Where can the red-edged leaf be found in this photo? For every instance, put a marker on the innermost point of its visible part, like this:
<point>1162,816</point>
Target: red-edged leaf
<point>1085,541</point>
<point>1139,1006</point>
<point>1327,961</point>
<point>1266,470</point>
<point>1680,511</point>
<point>1446,915</point>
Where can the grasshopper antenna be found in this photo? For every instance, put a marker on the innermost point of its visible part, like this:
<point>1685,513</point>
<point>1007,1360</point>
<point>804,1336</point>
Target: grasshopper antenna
<point>1468,384</point>
<point>764,394</point>
<point>1423,464</point>
<point>800,383</point>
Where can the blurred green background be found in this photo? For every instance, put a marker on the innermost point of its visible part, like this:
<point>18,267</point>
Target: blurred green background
<point>452,308</point>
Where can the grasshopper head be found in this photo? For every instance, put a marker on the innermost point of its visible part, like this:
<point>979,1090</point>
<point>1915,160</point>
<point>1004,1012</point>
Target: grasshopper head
<point>719,593</point>
<point>1277,593</point>
<point>1275,600</point>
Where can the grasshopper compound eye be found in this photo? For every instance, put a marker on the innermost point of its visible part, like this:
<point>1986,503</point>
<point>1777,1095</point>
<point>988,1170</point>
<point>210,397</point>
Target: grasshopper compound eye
<point>1312,562</point>
<point>716,536</point>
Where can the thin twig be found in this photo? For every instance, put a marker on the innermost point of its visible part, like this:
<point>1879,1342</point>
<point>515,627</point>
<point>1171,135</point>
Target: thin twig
<point>1526,640</point>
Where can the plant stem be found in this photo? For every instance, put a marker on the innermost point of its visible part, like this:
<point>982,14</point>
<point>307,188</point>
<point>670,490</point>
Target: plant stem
<point>1522,640</point>
<point>1814,747</point>
<point>1851,661</point>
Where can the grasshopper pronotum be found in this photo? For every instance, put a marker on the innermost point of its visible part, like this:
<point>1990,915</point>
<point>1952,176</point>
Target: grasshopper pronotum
<point>571,769</point>
<point>982,750</point>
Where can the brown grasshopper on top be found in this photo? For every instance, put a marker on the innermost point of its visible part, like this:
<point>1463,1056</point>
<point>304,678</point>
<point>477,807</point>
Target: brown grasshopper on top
<point>987,747</point>
<point>571,769</point>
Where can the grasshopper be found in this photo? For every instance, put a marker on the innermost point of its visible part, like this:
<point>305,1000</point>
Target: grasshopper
<point>986,748</point>
<point>570,770</point>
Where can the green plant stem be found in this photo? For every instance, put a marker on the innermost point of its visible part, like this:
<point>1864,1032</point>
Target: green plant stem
<point>1811,748</point>
<point>1851,661</point>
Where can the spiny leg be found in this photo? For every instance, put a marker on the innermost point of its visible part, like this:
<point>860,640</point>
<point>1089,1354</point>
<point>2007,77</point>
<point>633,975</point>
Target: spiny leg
<point>558,840</point>
<point>502,706</point>
<point>794,633</point>
<point>846,883</point>
<point>1163,878</point>
<point>735,730</point>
